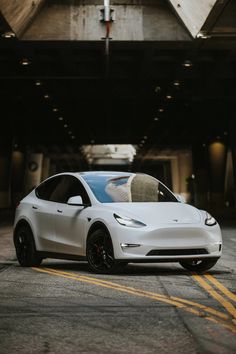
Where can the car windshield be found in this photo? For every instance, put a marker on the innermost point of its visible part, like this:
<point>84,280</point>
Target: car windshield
<point>127,187</point>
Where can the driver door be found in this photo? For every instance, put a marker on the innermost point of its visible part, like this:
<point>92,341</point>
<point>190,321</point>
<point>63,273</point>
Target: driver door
<point>71,223</point>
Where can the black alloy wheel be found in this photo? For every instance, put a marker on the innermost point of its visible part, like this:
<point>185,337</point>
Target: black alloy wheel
<point>25,247</point>
<point>198,264</point>
<point>100,253</point>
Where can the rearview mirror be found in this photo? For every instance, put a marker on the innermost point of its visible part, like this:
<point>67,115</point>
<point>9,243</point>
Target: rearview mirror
<point>77,200</point>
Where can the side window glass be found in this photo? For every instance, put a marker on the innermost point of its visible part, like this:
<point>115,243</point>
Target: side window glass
<point>69,186</point>
<point>45,189</point>
<point>76,188</point>
<point>60,192</point>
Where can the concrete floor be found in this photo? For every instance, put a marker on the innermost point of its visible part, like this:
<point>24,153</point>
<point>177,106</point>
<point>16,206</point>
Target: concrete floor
<point>159,308</point>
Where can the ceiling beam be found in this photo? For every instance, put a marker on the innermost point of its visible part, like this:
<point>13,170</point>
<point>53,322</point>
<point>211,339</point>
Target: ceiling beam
<point>20,13</point>
<point>193,13</point>
<point>214,15</point>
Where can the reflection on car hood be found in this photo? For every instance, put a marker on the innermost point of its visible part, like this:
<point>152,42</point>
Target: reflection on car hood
<point>158,213</point>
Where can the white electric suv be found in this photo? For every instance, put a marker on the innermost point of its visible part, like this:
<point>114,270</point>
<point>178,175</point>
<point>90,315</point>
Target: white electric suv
<point>111,219</point>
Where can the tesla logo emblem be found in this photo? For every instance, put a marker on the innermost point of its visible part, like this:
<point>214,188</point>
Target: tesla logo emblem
<point>176,220</point>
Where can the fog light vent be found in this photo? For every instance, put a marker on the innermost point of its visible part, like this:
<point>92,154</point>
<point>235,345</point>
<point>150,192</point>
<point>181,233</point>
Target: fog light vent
<point>179,252</point>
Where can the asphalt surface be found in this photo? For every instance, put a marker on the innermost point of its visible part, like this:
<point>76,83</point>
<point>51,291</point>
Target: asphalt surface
<point>62,308</point>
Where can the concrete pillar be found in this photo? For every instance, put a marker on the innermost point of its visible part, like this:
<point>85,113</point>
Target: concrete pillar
<point>200,184</point>
<point>4,181</point>
<point>232,131</point>
<point>17,176</point>
<point>175,174</point>
<point>185,173</point>
<point>33,173</point>
<point>53,168</point>
<point>229,195</point>
<point>217,162</point>
<point>45,168</point>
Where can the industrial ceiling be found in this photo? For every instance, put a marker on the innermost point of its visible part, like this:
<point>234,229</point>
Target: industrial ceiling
<point>60,94</point>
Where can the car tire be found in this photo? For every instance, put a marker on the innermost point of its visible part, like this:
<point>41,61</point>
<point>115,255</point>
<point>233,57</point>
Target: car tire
<point>100,254</point>
<point>25,247</point>
<point>198,264</point>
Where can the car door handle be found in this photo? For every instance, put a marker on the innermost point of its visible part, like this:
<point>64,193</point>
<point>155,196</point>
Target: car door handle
<point>59,211</point>
<point>34,207</point>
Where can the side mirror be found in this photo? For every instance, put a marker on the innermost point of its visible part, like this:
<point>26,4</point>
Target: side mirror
<point>180,198</point>
<point>77,200</point>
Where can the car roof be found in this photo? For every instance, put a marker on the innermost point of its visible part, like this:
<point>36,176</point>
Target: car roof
<point>118,173</point>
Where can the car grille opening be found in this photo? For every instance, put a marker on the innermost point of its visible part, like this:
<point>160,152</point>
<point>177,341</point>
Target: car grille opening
<point>179,252</point>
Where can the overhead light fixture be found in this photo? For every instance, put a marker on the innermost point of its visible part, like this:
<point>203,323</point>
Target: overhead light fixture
<point>60,118</point>
<point>161,110</point>
<point>145,137</point>
<point>203,35</point>
<point>69,132</point>
<point>72,137</point>
<point>8,34</point>
<point>187,63</point>
<point>25,62</point>
<point>157,89</point>
<point>156,119</point>
<point>168,97</point>
<point>176,83</point>
<point>46,96</point>
<point>55,109</point>
<point>92,141</point>
<point>65,125</point>
<point>38,83</point>
<point>142,141</point>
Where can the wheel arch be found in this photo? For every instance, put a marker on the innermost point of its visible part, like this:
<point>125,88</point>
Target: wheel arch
<point>24,222</point>
<point>96,226</point>
<point>20,223</point>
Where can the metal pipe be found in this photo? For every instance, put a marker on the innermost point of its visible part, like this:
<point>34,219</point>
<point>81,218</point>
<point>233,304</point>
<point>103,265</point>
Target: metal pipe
<point>107,15</point>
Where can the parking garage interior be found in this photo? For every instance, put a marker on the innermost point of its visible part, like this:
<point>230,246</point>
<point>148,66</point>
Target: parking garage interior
<point>157,78</point>
<point>122,85</point>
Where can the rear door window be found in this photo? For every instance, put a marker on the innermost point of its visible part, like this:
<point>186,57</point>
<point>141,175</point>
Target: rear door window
<point>45,189</point>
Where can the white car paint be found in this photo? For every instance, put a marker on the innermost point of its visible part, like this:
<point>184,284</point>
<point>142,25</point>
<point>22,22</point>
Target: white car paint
<point>62,228</point>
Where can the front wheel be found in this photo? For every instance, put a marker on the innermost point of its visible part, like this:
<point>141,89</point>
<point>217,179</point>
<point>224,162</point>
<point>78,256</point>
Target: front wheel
<point>198,264</point>
<point>25,248</point>
<point>100,254</point>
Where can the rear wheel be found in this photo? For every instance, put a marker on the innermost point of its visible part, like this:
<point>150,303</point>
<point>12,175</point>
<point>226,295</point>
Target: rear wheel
<point>100,254</point>
<point>198,264</point>
<point>25,248</point>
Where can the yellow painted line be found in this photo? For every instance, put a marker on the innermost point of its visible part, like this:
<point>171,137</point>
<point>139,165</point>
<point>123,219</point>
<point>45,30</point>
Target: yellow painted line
<point>135,292</point>
<point>221,287</point>
<point>225,303</point>
<point>188,302</point>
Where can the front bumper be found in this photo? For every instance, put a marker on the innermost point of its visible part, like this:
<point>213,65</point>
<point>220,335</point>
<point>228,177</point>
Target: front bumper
<point>166,243</point>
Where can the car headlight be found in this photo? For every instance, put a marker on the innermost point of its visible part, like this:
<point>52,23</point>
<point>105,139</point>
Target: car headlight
<point>210,221</point>
<point>125,221</point>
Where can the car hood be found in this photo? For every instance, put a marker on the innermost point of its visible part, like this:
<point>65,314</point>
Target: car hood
<point>158,213</point>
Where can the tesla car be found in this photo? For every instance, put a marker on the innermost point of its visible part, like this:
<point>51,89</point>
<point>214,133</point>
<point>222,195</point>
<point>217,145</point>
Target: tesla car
<point>111,219</point>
